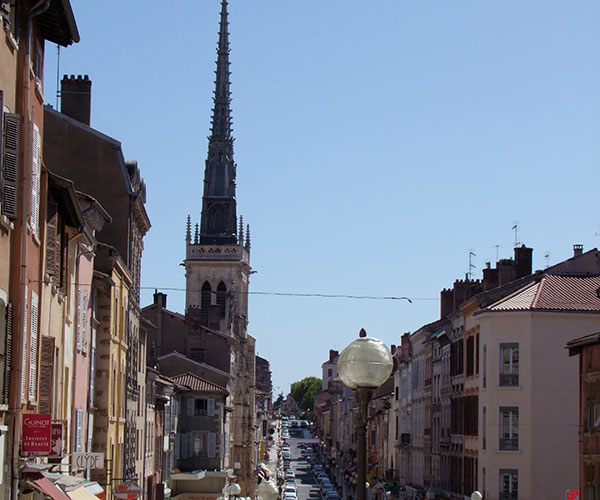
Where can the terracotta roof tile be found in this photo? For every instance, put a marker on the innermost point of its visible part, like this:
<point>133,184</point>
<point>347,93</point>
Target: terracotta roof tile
<point>198,384</point>
<point>556,293</point>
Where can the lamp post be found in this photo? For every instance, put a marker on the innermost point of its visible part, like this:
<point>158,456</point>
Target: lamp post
<point>363,366</point>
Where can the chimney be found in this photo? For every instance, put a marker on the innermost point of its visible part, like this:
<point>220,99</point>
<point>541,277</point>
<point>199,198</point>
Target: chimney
<point>490,277</point>
<point>446,302</point>
<point>160,299</point>
<point>393,349</point>
<point>577,250</point>
<point>506,271</point>
<point>76,97</point>
<point>523,260</point>
<point>333,355</point>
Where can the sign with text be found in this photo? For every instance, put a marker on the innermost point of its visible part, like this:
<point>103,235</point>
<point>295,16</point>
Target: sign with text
<point>56,440</point>
<point>36,438</point>
<point>85,461</point>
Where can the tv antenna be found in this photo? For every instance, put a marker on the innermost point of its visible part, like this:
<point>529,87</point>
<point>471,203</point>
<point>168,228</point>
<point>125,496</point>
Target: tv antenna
<point>516,229</point>
<point>57,74</point>
<point>497,246</point>
<point>471,265</point>
<point>547,257</point>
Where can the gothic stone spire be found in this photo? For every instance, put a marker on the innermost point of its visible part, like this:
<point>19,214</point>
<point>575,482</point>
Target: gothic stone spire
<point>218,222</point>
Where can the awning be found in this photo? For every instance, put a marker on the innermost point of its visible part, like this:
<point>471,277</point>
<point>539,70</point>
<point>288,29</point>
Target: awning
<point>46,487</point>
<point>95,489</point>
<point>82,494</point>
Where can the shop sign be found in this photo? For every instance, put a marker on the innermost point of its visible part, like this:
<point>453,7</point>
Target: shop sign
<point>86,460</point>
<point>36,438</point>
<point>56,440</point>
<point>127,491</point>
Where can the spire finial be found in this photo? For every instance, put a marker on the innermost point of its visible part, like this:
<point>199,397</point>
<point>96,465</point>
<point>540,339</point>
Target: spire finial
<point>197,235</point>
<point>248,236</point>
<point>188,230</point>
<point>241,231</point>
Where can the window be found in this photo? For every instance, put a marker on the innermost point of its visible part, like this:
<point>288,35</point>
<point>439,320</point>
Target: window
<point>329,372</point>
<point>509,428</point>
<point>485,366</point>
<point>222,299</point>
<point>205,299</point>
<point>199,407</point>
<point>470,356</point>
<point>509,365</point>
<point>509,484</point>
<point>483,427</point>
<point>34,221</point>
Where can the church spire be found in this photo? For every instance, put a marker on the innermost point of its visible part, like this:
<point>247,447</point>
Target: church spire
<point>218,221</point>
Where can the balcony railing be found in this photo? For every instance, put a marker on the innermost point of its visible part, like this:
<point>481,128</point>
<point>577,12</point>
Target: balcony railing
<point>509,379</point>
<point>513,495</point>
<point>511,444</point>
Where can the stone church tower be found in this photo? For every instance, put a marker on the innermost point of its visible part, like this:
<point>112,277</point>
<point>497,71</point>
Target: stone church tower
<point>217,270</point>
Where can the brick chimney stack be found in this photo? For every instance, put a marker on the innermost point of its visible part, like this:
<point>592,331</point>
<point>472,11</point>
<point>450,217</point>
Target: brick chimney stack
<point>76,97</point>
<point>577,250</point>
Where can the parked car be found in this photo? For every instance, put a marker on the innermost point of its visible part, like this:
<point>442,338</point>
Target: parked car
<point>332,495</point>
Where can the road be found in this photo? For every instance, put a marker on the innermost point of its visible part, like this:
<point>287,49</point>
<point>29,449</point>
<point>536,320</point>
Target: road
<point>305,481</point>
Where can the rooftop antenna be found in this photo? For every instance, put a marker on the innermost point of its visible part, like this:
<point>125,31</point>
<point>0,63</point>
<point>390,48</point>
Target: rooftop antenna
<point>547,257</point>
<point>497,247</point>
<point>57,74</point>
<point>516,229</point>
<point>471,265</point>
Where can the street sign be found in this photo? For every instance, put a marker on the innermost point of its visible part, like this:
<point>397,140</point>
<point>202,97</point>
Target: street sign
<point>85,461</point>
<point>127,491</point>
<point>572,494</point>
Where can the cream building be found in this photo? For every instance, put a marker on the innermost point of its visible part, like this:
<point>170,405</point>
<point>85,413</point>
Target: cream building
<point>528,393</point>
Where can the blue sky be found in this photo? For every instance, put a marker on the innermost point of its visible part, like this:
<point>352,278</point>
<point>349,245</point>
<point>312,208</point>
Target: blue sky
<point>377,144</point>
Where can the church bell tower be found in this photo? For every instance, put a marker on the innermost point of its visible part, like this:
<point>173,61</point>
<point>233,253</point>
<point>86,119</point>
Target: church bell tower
<point>217,271</point>
<point>217,261</point>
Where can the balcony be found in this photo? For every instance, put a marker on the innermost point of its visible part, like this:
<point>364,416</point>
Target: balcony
<point>509,444</point>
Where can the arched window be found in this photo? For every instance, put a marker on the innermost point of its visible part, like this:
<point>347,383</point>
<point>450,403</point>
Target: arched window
<point>206,293</point>
<point>222,298</point>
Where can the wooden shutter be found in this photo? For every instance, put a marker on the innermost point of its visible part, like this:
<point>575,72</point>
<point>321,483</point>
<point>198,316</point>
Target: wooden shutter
<point>24,348</point>
<point>190,406</point>
<point>52,241</point>
<point>210,407</point>
<point>46,375</point>
<point>10,162</point>
<point>92,380</point>
<point>33,348</point>
<point>8,354</point>
<point>178,446</point>
<point>35,180</point>
<point>211,445</point>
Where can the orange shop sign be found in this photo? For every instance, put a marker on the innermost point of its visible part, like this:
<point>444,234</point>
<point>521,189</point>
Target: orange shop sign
<point>36,438</point>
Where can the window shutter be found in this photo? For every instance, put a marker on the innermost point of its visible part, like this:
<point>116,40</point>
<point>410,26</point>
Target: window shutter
<point>211,445</point>
<point>84,316</point>
<point>177,446</point>
<point>79,429</point>
<point>190,407</point>
<point>46,375</point>
<point>79,318</point>
<point>210,407</point>
<point>35,181</point>
<point>8,354</point>
<point>33,348</point>
<point>92,376</point>
<point>24,357</point>
<point>10,156</point>
<point>189,445</point>
<point>52,247</point>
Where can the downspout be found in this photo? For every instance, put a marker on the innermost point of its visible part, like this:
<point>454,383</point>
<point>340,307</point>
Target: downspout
<point>41,7</point>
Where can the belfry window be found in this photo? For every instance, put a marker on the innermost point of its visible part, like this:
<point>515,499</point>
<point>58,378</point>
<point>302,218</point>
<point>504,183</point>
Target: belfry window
<point>205,300</point>
<point>222,299</point>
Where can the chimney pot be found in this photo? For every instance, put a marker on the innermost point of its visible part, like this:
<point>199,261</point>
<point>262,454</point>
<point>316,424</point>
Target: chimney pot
<point>76,97</point>
<point>577,250</point>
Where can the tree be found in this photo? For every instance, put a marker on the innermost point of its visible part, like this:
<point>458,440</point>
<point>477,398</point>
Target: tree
<point>304,391</point>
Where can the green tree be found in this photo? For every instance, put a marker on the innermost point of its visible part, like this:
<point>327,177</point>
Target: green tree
<point>304,391</point>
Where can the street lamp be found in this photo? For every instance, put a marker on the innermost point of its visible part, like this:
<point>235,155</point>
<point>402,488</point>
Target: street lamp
<point>267,490</point>
<point>476,495</point>
<point>363,366</point>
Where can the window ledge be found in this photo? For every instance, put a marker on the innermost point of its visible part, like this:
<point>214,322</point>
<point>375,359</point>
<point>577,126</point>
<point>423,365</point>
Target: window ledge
<point>6,224</point>
<point>12,40</point>
<point>510,452</point>
<point>508,387</point>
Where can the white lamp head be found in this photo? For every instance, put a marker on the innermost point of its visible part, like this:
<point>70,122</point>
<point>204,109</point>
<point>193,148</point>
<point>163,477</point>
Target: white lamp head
<point>365,363</point>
